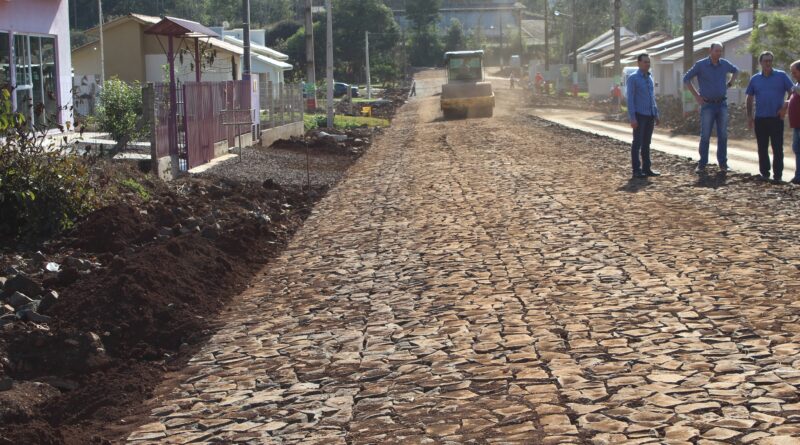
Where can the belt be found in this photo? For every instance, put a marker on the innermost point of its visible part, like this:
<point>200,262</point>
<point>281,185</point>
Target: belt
<point>715,101</point>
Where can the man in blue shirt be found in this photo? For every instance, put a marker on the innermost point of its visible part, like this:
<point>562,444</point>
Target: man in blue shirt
<point>712,80</point>
<point>643,115</point>
<point>769,88</point>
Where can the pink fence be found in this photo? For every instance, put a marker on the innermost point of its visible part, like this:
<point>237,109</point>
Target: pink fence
<point>200,118</point>
<point>160,118</point>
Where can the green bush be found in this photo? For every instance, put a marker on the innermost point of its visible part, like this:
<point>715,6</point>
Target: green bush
<point>120,111</point>
<point>42,188</point>
<point>136,187</point>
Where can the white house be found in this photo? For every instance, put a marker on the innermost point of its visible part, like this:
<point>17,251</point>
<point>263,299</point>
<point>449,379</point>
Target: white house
<point>265,63</point>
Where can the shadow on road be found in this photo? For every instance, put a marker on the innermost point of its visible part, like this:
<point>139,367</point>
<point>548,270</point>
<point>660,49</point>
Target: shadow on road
<point>711,181</point>
<point>635,185</point>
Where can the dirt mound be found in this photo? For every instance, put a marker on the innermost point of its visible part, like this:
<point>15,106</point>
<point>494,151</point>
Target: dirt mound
<point>163,270</point>
<point>107,229</point>
<point>351,142</point>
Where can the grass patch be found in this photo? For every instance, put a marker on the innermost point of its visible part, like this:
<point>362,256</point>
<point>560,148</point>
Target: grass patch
<point>342,122</point>
<point>134,186</point>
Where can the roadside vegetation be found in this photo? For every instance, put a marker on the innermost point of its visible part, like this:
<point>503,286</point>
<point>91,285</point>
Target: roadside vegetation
<point>46,185</point>
<point>342,122</point>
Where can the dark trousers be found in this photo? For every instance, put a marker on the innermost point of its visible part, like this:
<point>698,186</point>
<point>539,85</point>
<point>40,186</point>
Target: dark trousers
<point>642,135</point>
<point>770,129</point>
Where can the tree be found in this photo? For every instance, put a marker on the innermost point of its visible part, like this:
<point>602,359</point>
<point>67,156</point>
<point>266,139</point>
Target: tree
<point>120,111</point>
<point>296,50</point>
<point>423,13</point>
<point>263,12</point>
<point>351,19</point>
<point>426,46</point>
<point>455,39</point>
<point>718,7</point>
<point>781,35</point>
<point>281,31</point>
<point>426,49</point>
<point>644,16</point>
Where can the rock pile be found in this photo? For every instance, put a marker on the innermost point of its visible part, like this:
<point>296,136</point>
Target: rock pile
<point>28,284</point>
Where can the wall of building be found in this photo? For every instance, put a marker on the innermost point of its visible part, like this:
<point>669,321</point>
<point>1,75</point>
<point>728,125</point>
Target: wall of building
<point>49,17</point>
<point>123,51</point>
<point>86,60</point>
<point>221,69</point>
<point>736,53</point>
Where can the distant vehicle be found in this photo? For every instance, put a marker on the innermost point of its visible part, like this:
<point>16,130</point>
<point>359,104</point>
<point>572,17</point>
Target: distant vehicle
<point>340,89</point>
<point>466,91</point>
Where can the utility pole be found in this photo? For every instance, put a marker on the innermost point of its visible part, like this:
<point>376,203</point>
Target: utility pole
<point>617,44</point>
<point>246,37</point>
<point>688,39</point>
<point>546,41</point>
<point>519,27</point>
<point>502,49</point>
<point>754,62</point>
<point>329,61</point>
<point>311,70</point>
<point>574,42</point>
<point>688,34</point>
<point>369,80</point>
<point>102,48</point>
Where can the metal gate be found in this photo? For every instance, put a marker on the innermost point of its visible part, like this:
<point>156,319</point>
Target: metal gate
<point>161,124</point>
<point>203,106</point>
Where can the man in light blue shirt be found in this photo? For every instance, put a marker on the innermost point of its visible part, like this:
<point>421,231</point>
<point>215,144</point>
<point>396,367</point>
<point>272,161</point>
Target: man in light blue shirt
<point>769,89</point>
<point>643,116</point>
<point>712,80</point>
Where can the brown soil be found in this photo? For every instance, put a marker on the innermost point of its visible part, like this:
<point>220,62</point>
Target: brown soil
<point>117,330</point>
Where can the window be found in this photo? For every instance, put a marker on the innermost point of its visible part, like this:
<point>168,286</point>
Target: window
<point>36,79</point>
<point>465,68</point>
<point>5,61</point>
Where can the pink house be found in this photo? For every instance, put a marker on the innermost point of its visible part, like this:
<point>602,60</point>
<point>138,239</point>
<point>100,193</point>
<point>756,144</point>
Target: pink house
<point>35,59</point>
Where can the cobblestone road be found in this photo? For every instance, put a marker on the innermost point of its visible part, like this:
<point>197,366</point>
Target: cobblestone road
<point>500,281</point>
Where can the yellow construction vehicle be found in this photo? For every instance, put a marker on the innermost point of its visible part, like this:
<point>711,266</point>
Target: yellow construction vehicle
<point>466,92</point>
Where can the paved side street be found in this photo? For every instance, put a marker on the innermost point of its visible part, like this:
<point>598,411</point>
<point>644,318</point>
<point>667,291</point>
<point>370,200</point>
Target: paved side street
<point>501,281</point>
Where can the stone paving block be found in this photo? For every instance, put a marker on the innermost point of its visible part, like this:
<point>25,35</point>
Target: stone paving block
<point>502,281</point>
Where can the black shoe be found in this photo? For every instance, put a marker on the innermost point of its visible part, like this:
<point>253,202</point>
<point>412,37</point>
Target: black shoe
<point>700,169</point>
<point>639,175</point>
<point>762,178</point>
<point>796,181</point>
<point>725,169</point>
<point>777,181</point>
<point>652,173</point>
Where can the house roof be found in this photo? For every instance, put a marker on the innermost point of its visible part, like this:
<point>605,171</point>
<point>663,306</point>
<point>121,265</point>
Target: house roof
<point>607,46</point>
<point>140,18</point>
<point>173,26</point>
<point>676,44</point>
<point>269,61</point>
<point>256,48</point>
<point>630,47</point>
<point>85,45</point>
<point>225,46</point>
<point>604,38</point>
<point>722,38</point>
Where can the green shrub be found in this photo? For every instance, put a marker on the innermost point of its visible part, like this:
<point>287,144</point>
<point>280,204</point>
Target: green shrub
<point>136,187</point>
<point>42,188</point>
<point>120,111</point>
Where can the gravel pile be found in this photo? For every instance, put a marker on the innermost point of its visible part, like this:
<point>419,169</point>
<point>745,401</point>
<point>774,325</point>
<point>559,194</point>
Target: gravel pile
<point>320,158</point>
